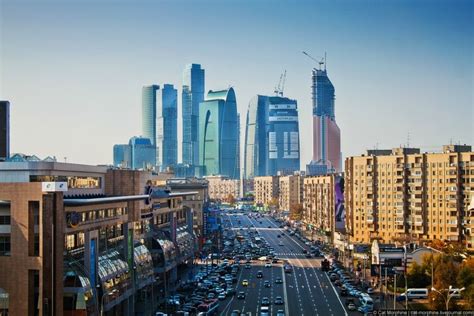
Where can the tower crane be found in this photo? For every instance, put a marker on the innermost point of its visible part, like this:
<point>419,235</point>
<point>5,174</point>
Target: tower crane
<point>281,85</point>
<point>321,61</point>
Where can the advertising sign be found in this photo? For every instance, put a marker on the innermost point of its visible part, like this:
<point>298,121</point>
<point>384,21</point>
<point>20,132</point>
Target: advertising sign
<point>340,211</point>
<point>92,263</point>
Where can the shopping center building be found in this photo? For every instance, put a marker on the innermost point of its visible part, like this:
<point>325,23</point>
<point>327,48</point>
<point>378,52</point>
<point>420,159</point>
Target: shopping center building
<point>78,239</point>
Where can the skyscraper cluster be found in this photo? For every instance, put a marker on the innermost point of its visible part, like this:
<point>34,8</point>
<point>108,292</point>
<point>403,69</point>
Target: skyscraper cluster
<point>211,131</point>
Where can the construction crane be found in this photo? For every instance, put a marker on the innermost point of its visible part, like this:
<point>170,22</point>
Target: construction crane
<point>281,85</point>
<point>321,61</point>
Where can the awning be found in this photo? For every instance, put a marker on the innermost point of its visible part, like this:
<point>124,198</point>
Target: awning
<point>111,265</point>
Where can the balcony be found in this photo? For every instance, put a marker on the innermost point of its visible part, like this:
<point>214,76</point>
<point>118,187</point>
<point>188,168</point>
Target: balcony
<point>399,221</point>
<point>370,220</point>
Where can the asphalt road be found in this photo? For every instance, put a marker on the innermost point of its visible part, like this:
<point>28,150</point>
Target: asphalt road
<point>307,291</point>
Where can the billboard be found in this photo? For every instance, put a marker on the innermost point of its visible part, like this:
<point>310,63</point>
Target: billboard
<point>340,212</point>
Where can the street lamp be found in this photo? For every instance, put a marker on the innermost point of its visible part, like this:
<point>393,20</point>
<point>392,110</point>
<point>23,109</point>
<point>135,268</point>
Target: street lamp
<point>102,300</point>
<point>451,293</point>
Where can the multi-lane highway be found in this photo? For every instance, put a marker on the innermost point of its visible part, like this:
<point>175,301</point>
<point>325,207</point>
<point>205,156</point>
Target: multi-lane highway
<point>305,291</point>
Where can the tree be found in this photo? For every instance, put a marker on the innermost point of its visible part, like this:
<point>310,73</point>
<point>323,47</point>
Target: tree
<point>273,204</point>
<point>231,199</point>
<point>296,212</point>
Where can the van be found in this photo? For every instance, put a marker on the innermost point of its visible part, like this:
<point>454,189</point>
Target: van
<point>367,301</point>
<point>413,294</point>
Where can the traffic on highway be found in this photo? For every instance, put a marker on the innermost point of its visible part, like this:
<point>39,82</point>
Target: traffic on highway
<point>262,267</point>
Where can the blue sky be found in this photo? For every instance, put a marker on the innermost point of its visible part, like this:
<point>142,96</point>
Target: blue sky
<point>73,70</point>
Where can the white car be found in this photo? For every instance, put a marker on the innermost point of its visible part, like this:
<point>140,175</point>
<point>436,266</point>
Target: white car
<point>221,296</point>
<point>268,265</point>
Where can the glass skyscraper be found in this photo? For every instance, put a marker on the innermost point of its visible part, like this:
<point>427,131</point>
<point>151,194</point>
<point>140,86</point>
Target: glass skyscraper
<point>271,137</point>
<point>149,112</point>
<point>167,126</point>
<point>140,153</point>
<point>326,133</point>
<point>218,130</point>
<point>192,96</point>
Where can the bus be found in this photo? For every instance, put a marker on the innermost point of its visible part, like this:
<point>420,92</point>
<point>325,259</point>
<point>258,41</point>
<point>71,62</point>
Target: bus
<point>413,293</point>
<point>209,308</point>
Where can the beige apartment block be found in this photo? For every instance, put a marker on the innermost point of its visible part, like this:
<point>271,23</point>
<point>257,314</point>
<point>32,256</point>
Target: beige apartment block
<point>404,195</point>
<point>291,191</point>
<point>220,187</point>
<point>319,202</point>
<point>266,188</point>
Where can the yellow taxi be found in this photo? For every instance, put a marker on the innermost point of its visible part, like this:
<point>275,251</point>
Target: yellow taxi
<point>245,282</point>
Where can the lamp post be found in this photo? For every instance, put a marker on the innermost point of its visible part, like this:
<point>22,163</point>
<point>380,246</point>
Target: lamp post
<point>450,295</point>
<point>102,300</point>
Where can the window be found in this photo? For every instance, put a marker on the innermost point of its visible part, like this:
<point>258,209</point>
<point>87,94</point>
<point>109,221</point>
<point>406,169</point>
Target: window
<point>4,245</point>
<point>5,219</point>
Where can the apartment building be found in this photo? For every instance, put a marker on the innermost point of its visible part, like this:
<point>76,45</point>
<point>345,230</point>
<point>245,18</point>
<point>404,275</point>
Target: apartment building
<point>291,191</point>
<point>266,189</point>
<point>221,187</point>
<point>405,195</point>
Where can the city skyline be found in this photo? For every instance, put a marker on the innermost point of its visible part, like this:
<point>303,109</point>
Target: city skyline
<point>381,97</point>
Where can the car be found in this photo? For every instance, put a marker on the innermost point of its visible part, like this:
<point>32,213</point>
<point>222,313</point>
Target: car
<point>269,226</point>
<point>268,265</point>
<point>370,290</point>
<point>364,309</point>
<point>351,306</point>
<point>278,281</point>
<point>241,295</point>
<point>235,312</point>
<point>343,292</point>
<point>221,296</point>
<point>211,296</point>
<point>279,300</point>
<point>280,312</point>
<point>230,291</point>
<point>248,266</point>
<point>278,236</point>
<point>245,282</point>
<point>305,251</point>
<point>267,284</point>
<point>280,244</point>
<point>308,255</point>
<point>265,301</point>
<point>259,274</point>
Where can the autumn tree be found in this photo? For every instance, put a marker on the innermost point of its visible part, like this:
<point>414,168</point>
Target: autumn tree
<point>273,204</point>
<point>296,212</point>
<point>231,199</point>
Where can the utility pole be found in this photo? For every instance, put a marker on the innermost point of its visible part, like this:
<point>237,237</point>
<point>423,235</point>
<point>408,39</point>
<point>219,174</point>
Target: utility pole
<point>395,291</point>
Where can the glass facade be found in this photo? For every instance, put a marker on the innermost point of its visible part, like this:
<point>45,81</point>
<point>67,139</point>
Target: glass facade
<point>122,156</point>
<point>192,96</point>
<point>326,134</point>
<point>218,130</point>
<point>271,137</point>
<point>142,153</point>
<point>167,126</point>
<point>149,112</point>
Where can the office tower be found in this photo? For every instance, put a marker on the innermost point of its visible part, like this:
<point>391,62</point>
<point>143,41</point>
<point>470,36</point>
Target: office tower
<point>326,133</point>
<point>407,196</point>
<point>271,137</point>
<point>122,156</point>
<point>218,134</point>
<point>192,96</point>
<point>167,126</point>
<point>149,99</point>
<point>140,153</point>
<point>4,130</point>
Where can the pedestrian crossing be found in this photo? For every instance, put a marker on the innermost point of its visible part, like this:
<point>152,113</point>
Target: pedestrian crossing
<point>289,253</point>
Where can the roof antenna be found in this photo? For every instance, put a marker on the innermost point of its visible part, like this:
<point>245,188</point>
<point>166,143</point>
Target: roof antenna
<point>408,140</point>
